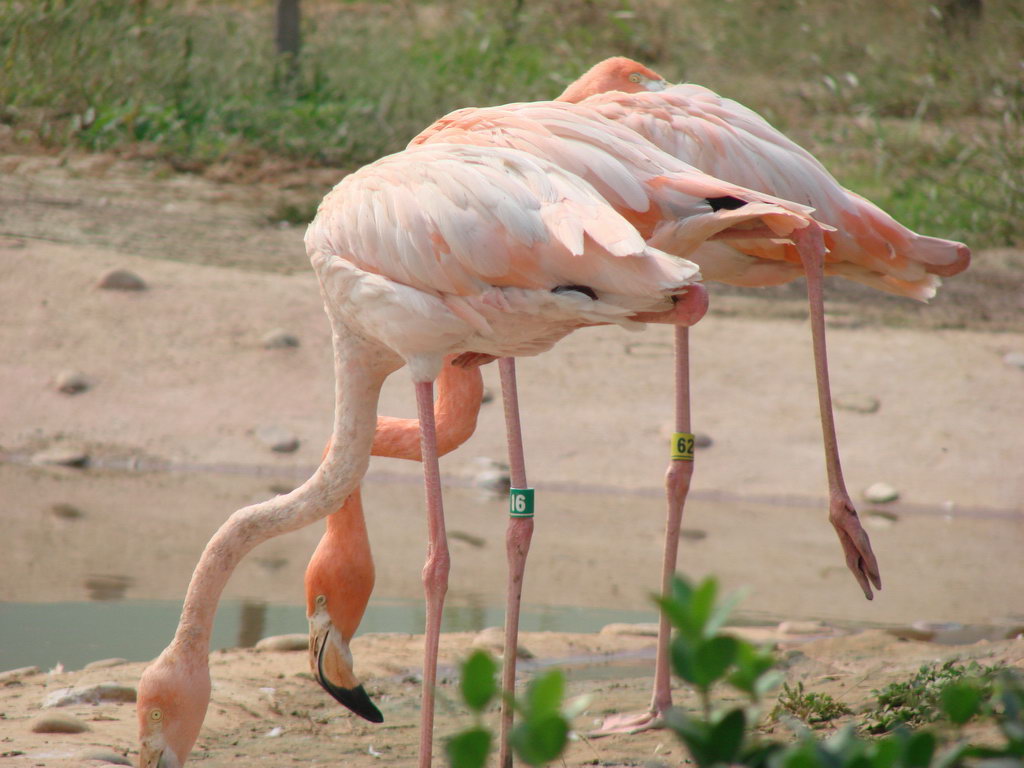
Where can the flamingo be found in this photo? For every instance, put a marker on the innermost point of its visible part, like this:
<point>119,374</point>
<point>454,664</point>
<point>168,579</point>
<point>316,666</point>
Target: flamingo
<point>651,189</point>
<point>865,244</point>
<point>340,575</point>
<point>432,251</point>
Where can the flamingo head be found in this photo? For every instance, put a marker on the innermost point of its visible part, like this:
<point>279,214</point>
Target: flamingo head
<point>615,74</point>
<point>172,699</point>
<point>331,661</point>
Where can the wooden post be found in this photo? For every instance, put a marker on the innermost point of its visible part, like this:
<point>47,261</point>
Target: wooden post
<point>287,36</point>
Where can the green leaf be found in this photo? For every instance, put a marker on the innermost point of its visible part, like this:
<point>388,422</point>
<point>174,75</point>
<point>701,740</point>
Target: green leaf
<point>539,740</point>
<point>727,736</point>
<point>752,665</point>
<point>544,695</point>
<point>469,749</point>
<point>694,733</point>
<point>712,658</point>
<point>701,605</point>
<point>720,613</point>
<point>961,700</point>
<point>919,750</point>
<point>479,684</point>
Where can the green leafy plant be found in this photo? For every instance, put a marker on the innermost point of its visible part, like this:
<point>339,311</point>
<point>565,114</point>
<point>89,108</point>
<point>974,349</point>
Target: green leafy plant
<point>917,700</point>
<point>542,730</point>
<point>809,707</point>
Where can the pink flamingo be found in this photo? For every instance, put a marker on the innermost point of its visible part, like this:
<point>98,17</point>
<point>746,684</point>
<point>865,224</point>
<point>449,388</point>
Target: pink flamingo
<point>662,197</point>
<point>729,141</point>
<point>433,251</point>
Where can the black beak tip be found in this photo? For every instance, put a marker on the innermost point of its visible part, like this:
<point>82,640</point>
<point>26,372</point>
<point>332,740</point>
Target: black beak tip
<point>358,700</point>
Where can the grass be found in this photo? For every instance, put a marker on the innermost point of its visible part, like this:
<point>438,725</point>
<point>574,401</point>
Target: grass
<point>917,700</point>
<point>920,111</point>
<point>811,708</point>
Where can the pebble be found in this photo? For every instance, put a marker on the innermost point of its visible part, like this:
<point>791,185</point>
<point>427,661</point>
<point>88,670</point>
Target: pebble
<point>857,403</point>
<point>106,755</point>
<point>493,476</point>
<point>278,439</point>
<point>293,642</point>
<point>90,694</point>
<point>692,534</point>
<point>70,382</point>
<point>811,627</point>
<point>66,511</point>
<point>1014,359</point>
<point>468,538</point>
<point>487,396</point>
<point>493,639</point>
<point>881,493</point>
<point>279,339</point>
<point>61,456</point>
<point>10,675</point>
<point>644,629</point>
<point>104,663</point>
<point>879,518</point>
<point>121,280</point>
<point>701,440</point>
<point>59,724</point>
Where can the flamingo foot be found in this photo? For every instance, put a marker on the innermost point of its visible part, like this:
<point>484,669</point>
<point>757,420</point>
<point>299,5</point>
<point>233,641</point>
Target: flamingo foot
<point>856,544</point>
<point>630,723</point>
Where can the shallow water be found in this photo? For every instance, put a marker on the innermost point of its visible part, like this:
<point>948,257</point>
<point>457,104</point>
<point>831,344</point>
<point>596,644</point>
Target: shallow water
<point>96,562</point>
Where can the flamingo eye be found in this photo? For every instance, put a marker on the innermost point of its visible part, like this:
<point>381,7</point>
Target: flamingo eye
<point>321,600</point>
<point>634,78</point>
<point>156,715</point>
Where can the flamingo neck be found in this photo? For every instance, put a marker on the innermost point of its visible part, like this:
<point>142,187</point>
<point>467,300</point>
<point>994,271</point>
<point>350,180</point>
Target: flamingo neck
<point>360,369</point>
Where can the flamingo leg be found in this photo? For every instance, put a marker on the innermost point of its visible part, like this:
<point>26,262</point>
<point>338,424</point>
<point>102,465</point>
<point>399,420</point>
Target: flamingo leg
<point>677,486</point>
<point>435,570</point>
<point>517,546</point>
<point>842,514</point>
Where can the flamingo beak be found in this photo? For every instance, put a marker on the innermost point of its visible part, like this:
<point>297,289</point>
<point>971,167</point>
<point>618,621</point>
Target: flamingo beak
<point>331,662</point>
<point>151,756</point>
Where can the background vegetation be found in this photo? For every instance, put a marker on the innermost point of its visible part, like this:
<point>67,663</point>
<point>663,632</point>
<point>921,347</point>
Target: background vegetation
<point>916,105</point>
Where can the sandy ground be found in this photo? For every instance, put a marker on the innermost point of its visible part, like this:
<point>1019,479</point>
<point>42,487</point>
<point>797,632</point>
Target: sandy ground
<point>179,384</point>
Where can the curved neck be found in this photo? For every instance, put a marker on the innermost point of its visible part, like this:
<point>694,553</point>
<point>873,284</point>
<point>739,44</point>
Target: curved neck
<point>360,369</point>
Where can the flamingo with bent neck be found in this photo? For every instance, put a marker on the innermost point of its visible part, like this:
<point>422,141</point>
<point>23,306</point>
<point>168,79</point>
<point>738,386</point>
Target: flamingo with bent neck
<point>433,251</point>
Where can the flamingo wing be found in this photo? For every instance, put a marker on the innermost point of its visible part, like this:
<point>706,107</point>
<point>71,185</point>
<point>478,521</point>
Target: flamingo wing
<point>728,140</point>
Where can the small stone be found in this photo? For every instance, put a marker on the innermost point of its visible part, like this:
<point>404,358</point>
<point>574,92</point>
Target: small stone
<point>1014,359</point>
<point>90,694</point>
<point>104,663</point>
<point>279,339</point>
<point>70,382</point>
<point>61,456</point>
<point>106,755</point>
<point>643,629</point>
<point>857,403</point>
<point>693,534</point>
<point>11,675</point>
<point>66,511</point>
<point>486,397</point>
<point>278,439</point>
<point>59,724</point>
<point>282,643</point>
<point>804,628</point>
<point>492,476</point>
<point>701,440</point>
<point>879,518</point>
<point>881,493</point>
<point>493,639</point>
<point>468,538</point>
<point>121,280</point>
